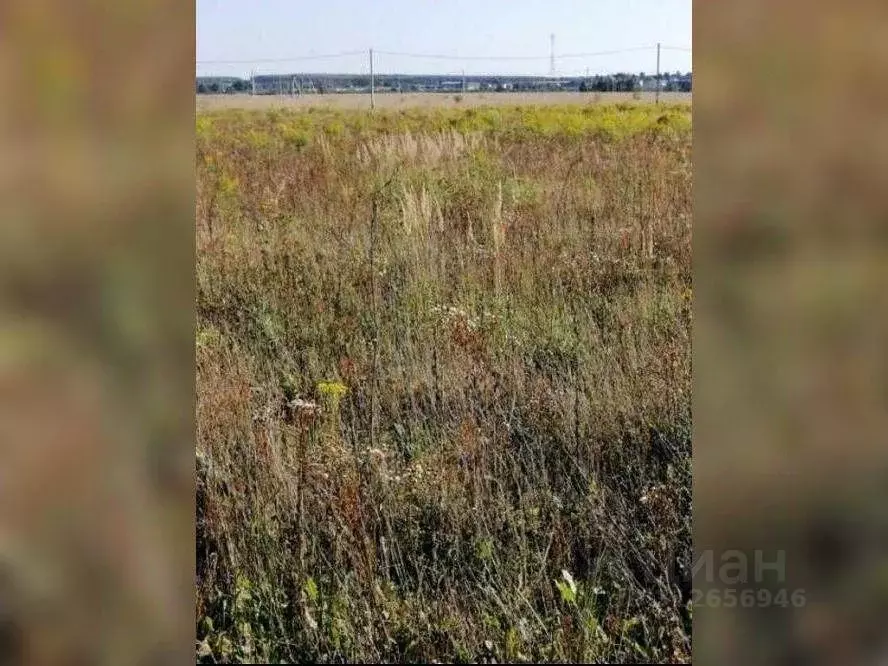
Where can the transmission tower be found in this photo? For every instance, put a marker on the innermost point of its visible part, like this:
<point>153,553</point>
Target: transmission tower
<point>552,59</point>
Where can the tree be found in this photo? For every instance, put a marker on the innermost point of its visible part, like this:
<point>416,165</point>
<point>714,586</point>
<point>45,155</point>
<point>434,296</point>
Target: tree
<point>202,89</point>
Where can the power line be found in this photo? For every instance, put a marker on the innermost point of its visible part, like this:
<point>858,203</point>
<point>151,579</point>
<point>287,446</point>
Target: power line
<point>273,60</point>
<point>605,53</point>
<point>438,56</point>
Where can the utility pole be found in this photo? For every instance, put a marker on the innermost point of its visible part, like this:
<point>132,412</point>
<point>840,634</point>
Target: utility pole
<point>657,97</point>
<point>253,82</point>
<point>464,81</point>
<point>372,84</point>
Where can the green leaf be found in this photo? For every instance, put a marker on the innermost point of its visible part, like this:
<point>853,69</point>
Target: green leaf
<point>567,587</point>
<point>311,589</point>
<point>568,595</point>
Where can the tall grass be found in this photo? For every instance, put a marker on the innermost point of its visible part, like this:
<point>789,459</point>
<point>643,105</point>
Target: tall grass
<point>444,385</point>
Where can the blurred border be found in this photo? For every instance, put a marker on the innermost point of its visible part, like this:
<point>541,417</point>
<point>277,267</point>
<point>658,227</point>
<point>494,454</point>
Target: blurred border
<point>97,332</point>
<point>96,356</point>
<point>790,364</point>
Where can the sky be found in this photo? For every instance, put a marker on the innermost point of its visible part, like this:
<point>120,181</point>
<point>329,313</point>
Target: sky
<point>471,32</point>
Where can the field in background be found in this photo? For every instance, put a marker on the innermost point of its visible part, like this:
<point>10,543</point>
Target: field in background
<point>444,373</point>
<point>409,100</point>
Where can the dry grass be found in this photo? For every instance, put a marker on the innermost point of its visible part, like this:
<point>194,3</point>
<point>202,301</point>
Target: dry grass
<point>425,100</point>
<point>444,386</point>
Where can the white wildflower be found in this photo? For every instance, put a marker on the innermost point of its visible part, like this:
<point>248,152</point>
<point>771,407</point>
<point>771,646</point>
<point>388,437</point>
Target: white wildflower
<point>565,574</point>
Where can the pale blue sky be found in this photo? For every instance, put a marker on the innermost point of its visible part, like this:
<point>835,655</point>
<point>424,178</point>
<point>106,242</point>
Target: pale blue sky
<point>244,30</point>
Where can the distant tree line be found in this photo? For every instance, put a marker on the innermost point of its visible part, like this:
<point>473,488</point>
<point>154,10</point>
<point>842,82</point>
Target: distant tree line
<point>676,82</point>
<point>622,82</point>
<point>215,87</point>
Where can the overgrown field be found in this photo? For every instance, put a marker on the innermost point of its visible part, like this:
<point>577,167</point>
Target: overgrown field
<point>427,100</point>
<point>443,367</point>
